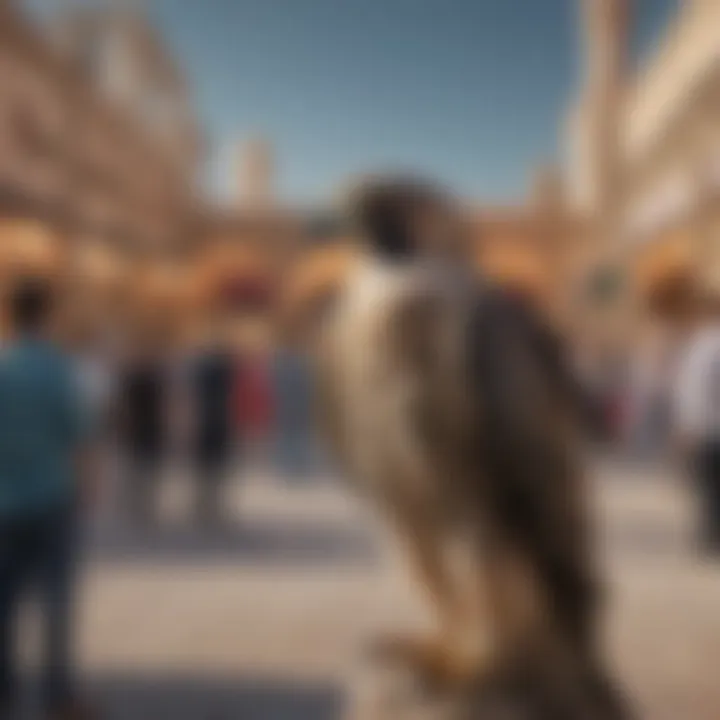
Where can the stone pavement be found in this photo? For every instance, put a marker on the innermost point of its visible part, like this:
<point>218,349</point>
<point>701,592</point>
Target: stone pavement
<point>264,618</point>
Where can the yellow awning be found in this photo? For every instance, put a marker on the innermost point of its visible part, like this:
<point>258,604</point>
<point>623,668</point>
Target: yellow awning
<point>521,269</point>
<point>28,246</point>
<point>319,272</point>
<point>663,261</point>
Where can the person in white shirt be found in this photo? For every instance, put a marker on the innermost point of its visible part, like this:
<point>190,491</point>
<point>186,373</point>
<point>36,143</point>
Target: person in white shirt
<point>651,381</point>
<point>697,415</point>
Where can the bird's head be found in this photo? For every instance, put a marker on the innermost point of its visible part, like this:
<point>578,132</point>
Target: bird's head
<point>399,219</point>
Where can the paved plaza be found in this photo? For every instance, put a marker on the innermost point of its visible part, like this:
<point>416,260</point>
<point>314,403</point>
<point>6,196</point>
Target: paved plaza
<point>264,618</point>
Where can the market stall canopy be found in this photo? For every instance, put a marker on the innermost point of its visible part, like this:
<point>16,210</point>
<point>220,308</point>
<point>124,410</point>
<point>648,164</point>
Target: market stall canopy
<point>518,268</point>
<point>318,273</point>
<point>98,264</point>
<point>234,273</point>
<point>28,246</point>
<point>665,262</point>
<point>161,289</point>
<point>665,274</point>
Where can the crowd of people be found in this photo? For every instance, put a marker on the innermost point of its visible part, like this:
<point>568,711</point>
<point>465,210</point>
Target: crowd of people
<point>213,404</point>
<point>663,404</point>
<point>72,405</point>
<point>216,405</point>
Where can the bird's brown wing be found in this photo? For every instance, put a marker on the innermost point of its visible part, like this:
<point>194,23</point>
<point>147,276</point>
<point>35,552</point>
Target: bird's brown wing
<point>525,445</point>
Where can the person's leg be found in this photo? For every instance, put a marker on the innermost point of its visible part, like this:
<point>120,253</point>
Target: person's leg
<point>133,485</point>
<point>300,452</point>
<point>218,485</point>
<point>144,469</point>
<point>154,469</point>
<point>713,497</point>
<point>278,442</point>
<point>210,478</point>
<point>202,491</point>
<point>57,573</point>
<point>284,452</point>
<point>292,451</point>
<point>704,468</point>
<point>15,557</point>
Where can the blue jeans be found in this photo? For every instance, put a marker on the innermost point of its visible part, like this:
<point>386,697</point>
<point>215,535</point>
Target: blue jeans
<point>39,552</point>
<point>293,451</point>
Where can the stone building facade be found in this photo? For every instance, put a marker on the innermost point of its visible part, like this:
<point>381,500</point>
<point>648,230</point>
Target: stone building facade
<point>98,141</point>
<point>258,245</point>
<point>659,126</point>
<point>532,245</point>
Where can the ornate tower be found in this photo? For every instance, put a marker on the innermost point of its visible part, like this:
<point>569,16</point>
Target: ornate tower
<point>547,191</point>
<point>255,175</point>
<point>598,266</point>
<point>606,25</point>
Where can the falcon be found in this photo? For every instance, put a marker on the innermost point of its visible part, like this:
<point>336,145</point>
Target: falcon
<point>448,405</point>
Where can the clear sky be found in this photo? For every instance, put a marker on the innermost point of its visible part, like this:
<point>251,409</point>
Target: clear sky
<point>471,92</point>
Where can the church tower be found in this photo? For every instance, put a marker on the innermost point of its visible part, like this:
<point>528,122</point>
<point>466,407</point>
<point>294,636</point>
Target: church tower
<point>595,180</point>
<point>605,36</point>
<point>255,175</point>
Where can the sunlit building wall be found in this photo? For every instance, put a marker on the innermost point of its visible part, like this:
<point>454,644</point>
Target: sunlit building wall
<point>666,150</point>
<point>97,133</point>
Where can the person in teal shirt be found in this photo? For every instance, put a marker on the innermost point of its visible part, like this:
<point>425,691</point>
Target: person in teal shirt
<point>42,434</point>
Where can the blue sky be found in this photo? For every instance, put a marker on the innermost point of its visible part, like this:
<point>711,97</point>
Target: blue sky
<point>471,92</point>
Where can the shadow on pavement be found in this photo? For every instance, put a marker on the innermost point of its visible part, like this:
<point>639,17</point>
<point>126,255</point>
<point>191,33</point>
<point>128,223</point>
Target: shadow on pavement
<point>283,542</point>
<point>181,697</point>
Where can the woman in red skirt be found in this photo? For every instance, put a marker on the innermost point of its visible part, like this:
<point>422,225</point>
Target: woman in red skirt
<point>254,402</point>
